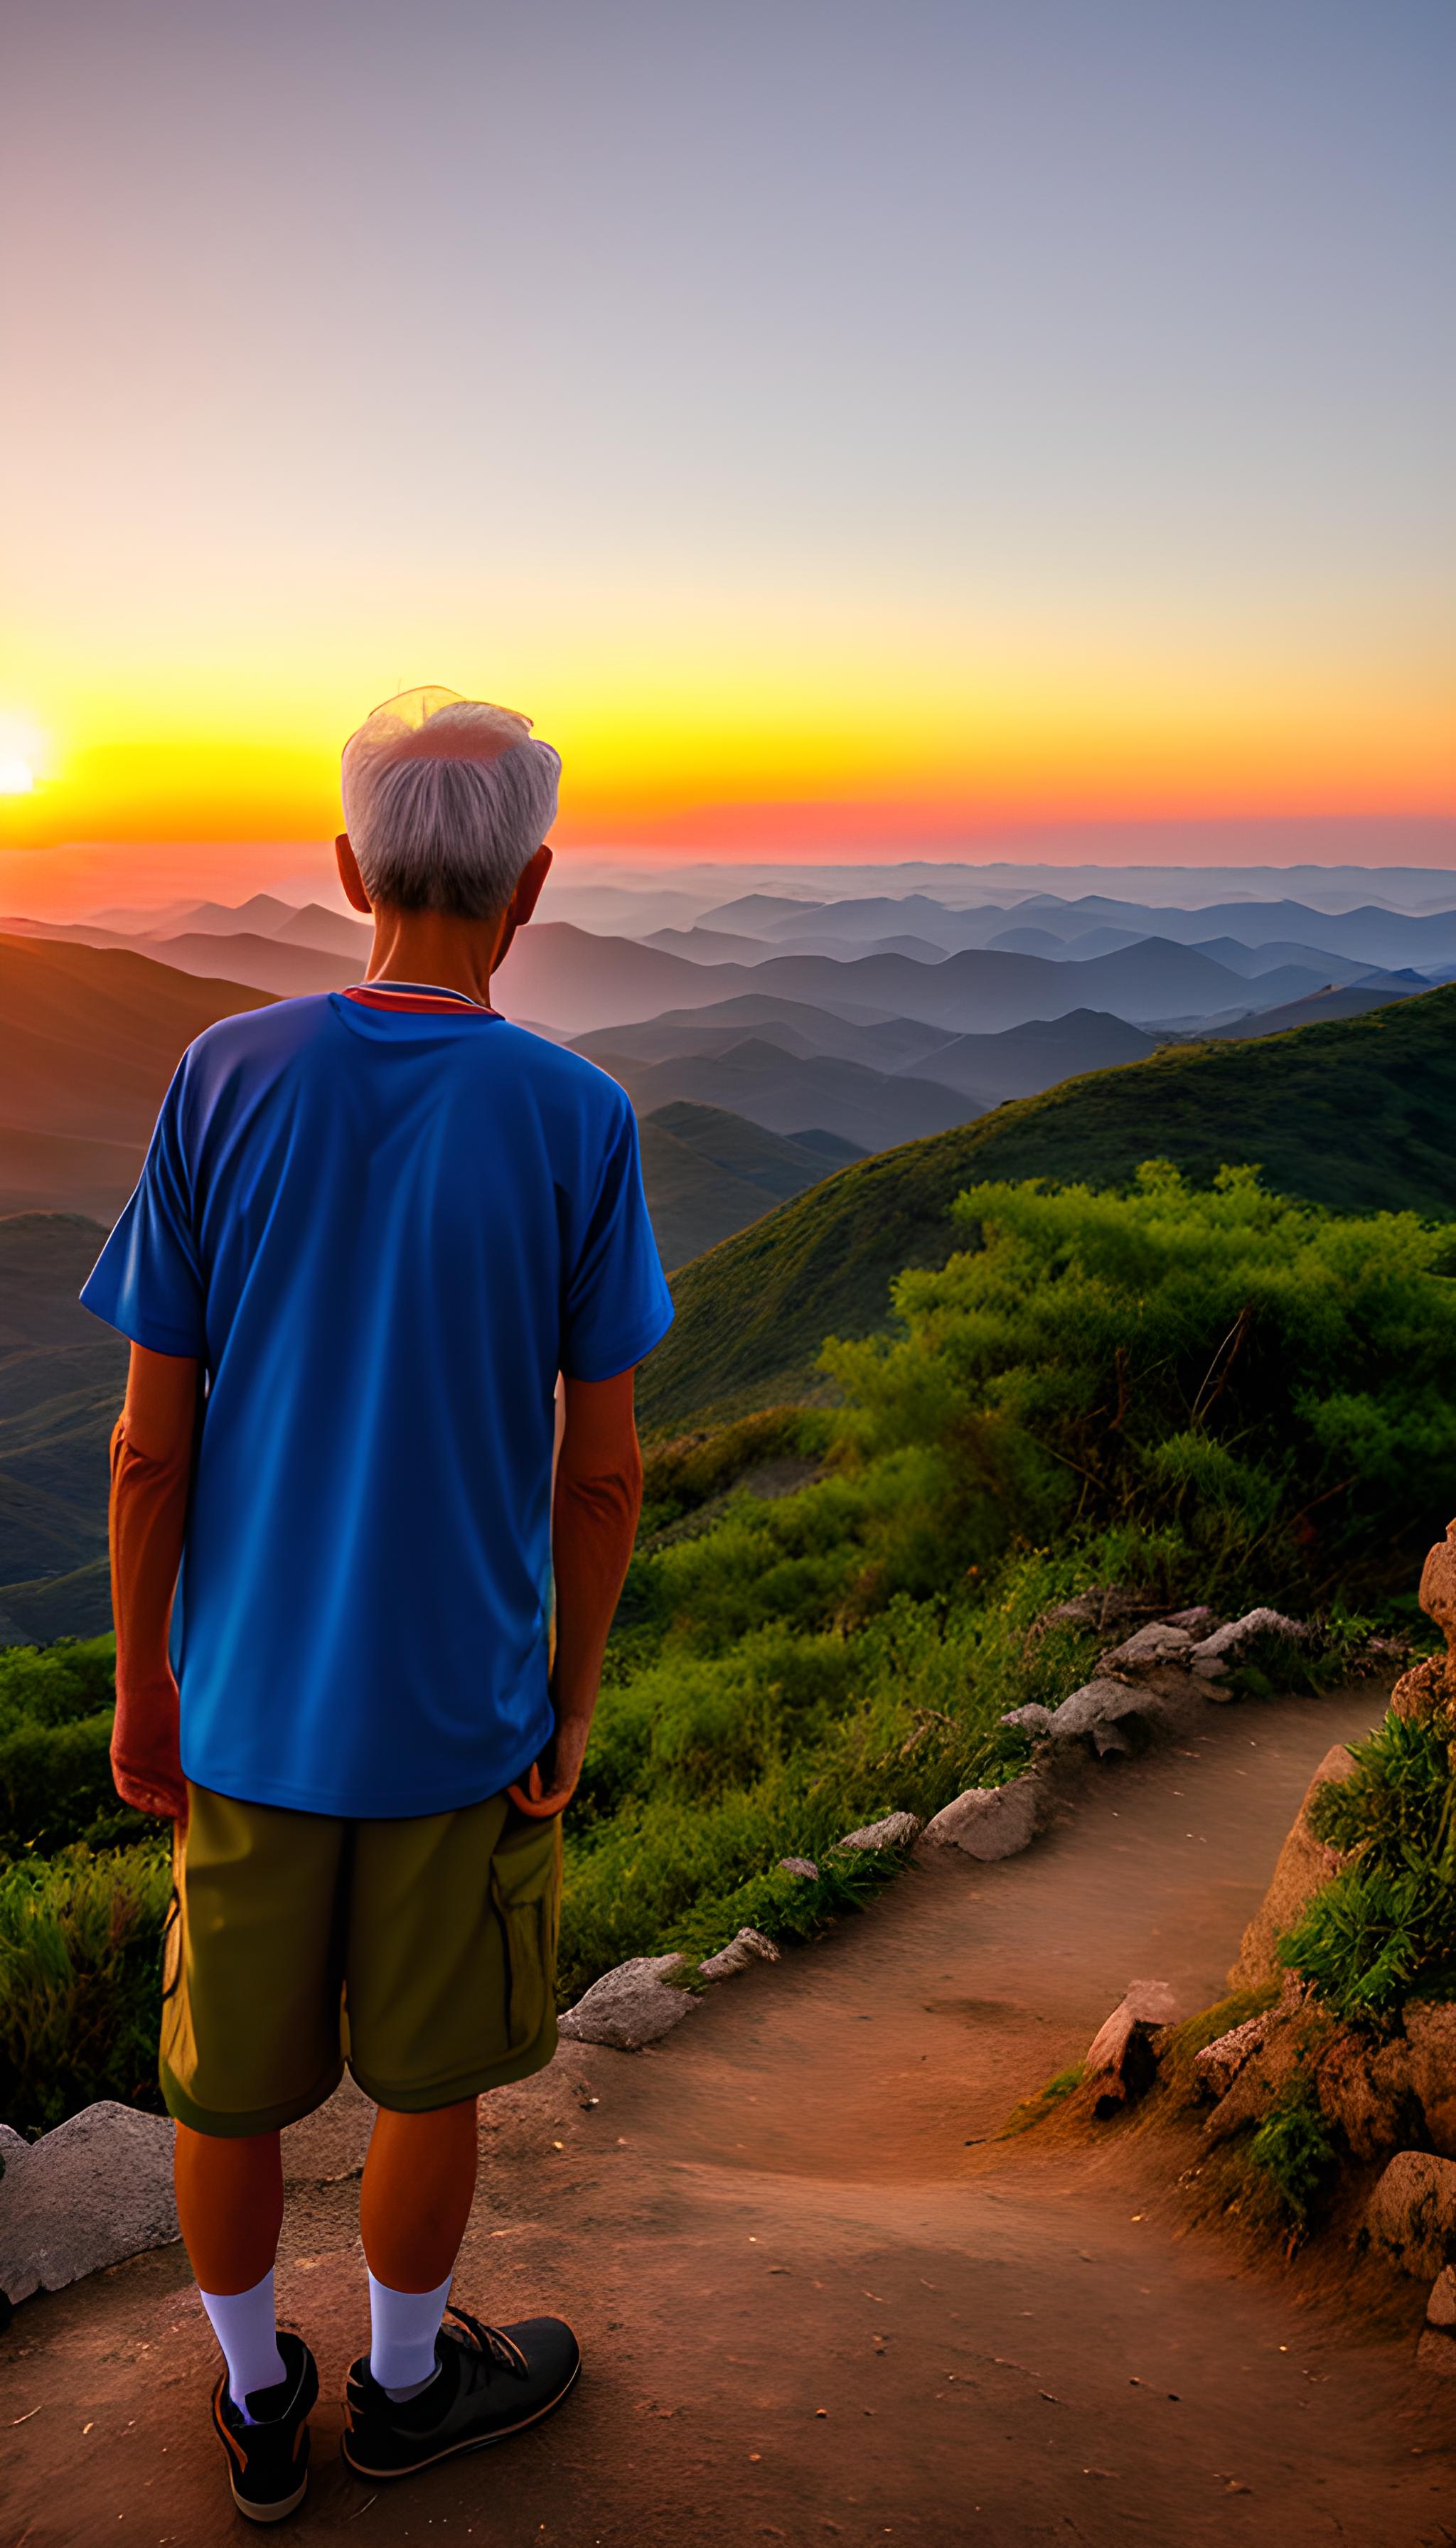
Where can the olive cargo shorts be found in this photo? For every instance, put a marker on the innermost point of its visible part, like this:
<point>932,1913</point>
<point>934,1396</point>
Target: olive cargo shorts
<point>422,1951</point>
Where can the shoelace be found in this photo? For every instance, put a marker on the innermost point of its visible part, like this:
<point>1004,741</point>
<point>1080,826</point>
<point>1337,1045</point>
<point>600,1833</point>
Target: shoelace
<point>487,2350</point>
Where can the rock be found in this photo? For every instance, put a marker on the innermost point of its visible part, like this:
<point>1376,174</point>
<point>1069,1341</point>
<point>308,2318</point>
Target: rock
<point>990,1822</point>
<point>1304,1864</point>
<point>1429,1689</point>
<point>798,1867</point>
<point>13,2146</point>
<point>1436,2352</point>
<point>1121,2061</point>
<point>96,2189</point>
<point>749,1947</point>
<point>1141,2004</point>
<point>1158,1643</point>
<point>1218,2066</point>
<point>1423,1690</point>
<point>1101,1606</point>
<point>1364,2087</point>
<point>1197,1621</point>
<point>1228,1643</point>
<point>1440,2309</point>
<point>1430,2043</point>
<point>1210,1668</point>
<point>630,2006</point>
<point>1099,1703</point>
<point>1261,2076</point>
<point>1410,2216</point>
<point>893,1830</point>
<point>1033,1719</point>
<point>1439,1583</point>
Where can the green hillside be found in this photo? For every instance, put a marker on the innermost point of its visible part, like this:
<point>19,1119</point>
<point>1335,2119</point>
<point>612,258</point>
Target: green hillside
<point>1356,1115</point>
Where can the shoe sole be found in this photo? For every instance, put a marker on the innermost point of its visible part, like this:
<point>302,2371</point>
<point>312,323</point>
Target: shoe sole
<point>468,2441</point>
<point>270,2511</point>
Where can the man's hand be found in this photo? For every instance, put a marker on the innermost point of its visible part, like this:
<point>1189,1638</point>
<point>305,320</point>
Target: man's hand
<point>151,1452</point>
<point>552,1780</point>
<point>145,1759</point>
<point>594,1507</point>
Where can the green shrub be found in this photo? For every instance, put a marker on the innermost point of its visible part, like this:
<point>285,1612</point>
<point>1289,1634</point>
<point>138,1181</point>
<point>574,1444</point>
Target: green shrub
<point>681,1477</point>
<point>1273,1383</point>
<point>80,1987</point>
<point>1385,1928</point>
<point>1294,2152</point>
<point>56,1715</point>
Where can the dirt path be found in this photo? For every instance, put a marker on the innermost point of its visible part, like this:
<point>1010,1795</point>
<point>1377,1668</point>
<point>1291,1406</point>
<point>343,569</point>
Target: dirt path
<point>814,2305</point>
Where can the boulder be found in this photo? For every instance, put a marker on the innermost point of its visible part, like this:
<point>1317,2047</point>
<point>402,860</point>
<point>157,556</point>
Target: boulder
<point>630,2006</point>
<point>1160,1642</point>
<point>802,1867</point>
<point>1097,1706</point>
<point>1262,2075</point>
<point>1436,2352</point>
<point>1197,1621</point>
<point>1225,1644</point>
<point>1440,2309</point>
<point>893,1830</point>
<point>1363,2086</point>
<point>1410,2216</point>
<point>1431,2044</point>
<point>1218,2063</point>
<point>1033,1719</point>
<point>1141,2004</point>
<point>749,1947</point>
<point>1121,2061</point>
<point>1303,1865</point>
<point>96,2189</point>
<point>990,1822</point>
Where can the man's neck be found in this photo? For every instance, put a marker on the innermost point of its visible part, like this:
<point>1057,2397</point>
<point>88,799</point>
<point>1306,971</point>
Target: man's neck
<point>433,947</point>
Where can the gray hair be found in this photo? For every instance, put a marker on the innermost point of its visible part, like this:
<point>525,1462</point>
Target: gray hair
<point>445,799</point>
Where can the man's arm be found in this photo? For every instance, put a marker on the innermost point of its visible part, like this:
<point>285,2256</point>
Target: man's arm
<point>151,1456</point>
<point>593,1522</point>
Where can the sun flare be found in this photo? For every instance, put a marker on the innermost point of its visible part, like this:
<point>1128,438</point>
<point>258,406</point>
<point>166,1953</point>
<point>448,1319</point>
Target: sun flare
<point>17,777</point>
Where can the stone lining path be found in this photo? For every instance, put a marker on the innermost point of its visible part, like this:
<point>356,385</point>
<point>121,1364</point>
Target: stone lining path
<point>816,2304</point>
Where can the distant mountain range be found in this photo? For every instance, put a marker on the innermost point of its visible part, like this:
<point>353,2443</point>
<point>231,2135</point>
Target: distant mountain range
<point>61,1378</point>
<point>869,960</point>
<point>1368,935</point>
<point>708,1174</point>
<point>89,1037</point>
<point>1354,1115</point>
<point>871,1109</point>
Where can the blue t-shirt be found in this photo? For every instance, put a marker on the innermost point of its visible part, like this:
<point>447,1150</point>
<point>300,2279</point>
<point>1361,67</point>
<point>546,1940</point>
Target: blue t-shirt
<point>384,1230</point>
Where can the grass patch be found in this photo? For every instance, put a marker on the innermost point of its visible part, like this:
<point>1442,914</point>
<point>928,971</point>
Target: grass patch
<point>1295,2153</point>
<point>1047,2101</point>
<point>1384,1930</point>
<point>80,1982</point>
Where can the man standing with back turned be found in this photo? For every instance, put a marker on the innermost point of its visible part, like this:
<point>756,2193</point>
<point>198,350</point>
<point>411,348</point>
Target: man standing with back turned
<point>372,1230</point>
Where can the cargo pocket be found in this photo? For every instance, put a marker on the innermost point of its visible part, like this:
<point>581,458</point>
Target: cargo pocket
<point>525,1892</point>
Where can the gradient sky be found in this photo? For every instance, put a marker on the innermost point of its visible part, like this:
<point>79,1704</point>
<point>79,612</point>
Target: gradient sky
<point>846,421</point>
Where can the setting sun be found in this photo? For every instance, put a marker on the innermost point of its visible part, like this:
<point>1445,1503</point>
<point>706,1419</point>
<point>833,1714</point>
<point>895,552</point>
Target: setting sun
<point>17,777</point>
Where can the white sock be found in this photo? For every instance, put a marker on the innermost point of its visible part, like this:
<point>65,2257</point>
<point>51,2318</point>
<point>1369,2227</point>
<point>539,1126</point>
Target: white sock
<point>247,2328</point>
<point>403,2326</point>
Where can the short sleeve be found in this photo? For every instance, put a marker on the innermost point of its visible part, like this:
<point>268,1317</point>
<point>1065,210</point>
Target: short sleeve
<point>617,1304</point>
<point>147,1280</point>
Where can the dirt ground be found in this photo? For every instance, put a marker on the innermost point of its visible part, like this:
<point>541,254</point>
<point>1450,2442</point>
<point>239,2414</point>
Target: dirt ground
<point>816,2304</point>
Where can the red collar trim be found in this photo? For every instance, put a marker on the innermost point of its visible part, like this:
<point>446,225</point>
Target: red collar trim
<point>439,1004</point>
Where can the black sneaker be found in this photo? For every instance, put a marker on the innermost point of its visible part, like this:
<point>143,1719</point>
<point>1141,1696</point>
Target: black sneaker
<point>268,2459</point>
<point>492,2380</point>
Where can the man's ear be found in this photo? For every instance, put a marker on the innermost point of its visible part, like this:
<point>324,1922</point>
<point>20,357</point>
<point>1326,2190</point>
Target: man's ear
<point>528,893</point>
<point>348,873</point>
